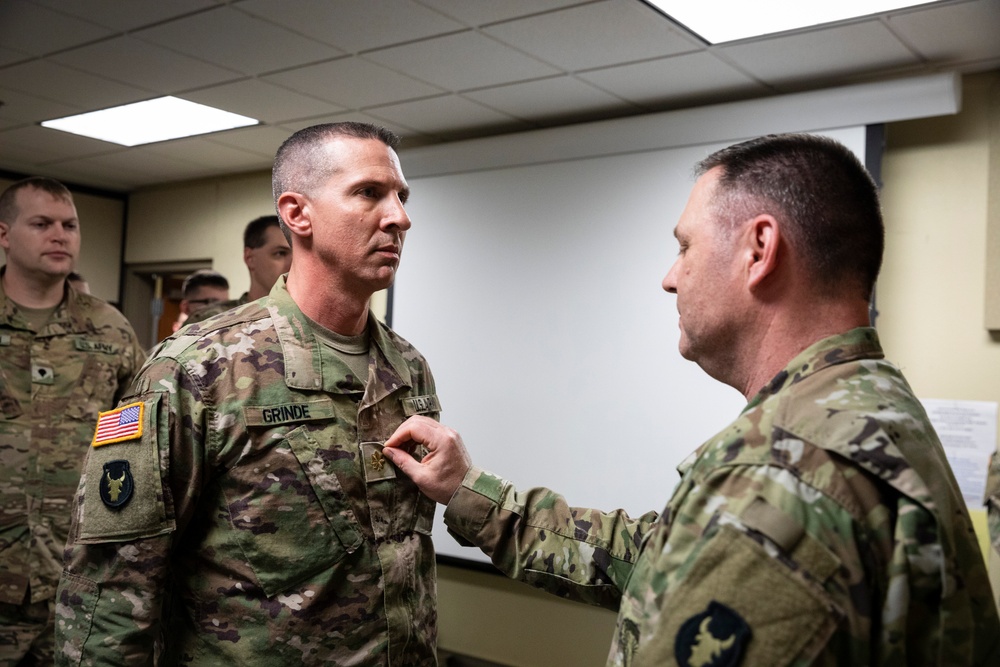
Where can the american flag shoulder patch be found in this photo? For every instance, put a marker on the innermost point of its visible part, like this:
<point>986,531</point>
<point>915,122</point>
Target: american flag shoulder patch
<point>124,423</point>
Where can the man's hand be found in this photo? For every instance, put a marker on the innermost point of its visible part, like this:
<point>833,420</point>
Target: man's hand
<point>442,470</point>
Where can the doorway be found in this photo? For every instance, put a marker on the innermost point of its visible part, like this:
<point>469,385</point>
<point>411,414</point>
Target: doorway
<point>152,297</point>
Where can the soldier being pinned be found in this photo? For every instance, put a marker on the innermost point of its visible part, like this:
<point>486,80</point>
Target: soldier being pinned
<point>247,483</point>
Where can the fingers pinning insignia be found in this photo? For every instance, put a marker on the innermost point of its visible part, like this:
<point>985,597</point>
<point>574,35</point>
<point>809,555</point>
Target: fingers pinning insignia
<point>116,484</point>
<point>714,638</point>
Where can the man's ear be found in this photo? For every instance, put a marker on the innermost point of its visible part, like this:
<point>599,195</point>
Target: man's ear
<point>185,307</point>
<point>247,256</point>
<point>4,230</point>
<point>764,239</point>
<point>294,208</point>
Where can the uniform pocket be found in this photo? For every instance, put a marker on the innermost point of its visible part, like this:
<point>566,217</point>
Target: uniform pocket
<point>94,389</point>
<point>738,600</point>
<point>289,513</point>
<point>76,601</point>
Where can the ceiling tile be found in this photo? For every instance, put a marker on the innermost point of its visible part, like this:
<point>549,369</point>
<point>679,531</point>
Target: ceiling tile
<point>8,56</point>
<point>37,30</point>
<point>820,54</point>
<point>209,156</point>
<point>119,15</point>
<point>262,139</point>
<point>48,80</point>
<point>55,144</point>
<point>238,41</point>
<point>354,25</point>
<point>261,100</point>
<point>17,148</point>
<point>18,108</point>
<point>352,83</point>
<point>462,61</point>
<point>564,98</point>
<point>447,116</point>
<point>932,31</point>
<point>482,12</point>
<point>673,81</point>
<point>130,169</point>
<point>145,65</point>
<point>618,31</point>
<point>356,116</point>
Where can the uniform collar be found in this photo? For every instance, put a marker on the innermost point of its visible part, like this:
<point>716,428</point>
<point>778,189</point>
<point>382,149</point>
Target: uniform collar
<point>304,368</point>
<point>860,343</point>
<point>67,318</point>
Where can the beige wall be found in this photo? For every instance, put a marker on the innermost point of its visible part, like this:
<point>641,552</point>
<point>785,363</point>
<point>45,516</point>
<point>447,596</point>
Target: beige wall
<point>932,293</point>
<point>199,220</point>
<point>102,223</point>
<point>203,220</point>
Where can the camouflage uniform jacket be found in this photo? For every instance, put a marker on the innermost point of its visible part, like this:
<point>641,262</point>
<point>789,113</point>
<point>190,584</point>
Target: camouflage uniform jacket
<point>53,383</point>
<point>992,502</point>
<point>261,501</point>
<point>823,526</point>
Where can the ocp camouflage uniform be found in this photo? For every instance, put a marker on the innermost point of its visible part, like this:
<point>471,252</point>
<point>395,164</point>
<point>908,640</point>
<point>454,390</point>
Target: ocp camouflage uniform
<point>823,526</point>
<point>992,502</point>
<point>53,382</point>
<point>261,500</point>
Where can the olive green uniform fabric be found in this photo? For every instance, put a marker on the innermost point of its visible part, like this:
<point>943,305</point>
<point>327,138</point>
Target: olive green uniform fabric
<point>261,501</point>
<point>214,309</point>
<point>822,527</point>
<point>53,382</point>
<point>992,502</point>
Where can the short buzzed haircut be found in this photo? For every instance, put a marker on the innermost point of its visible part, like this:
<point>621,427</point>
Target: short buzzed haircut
<point>302,161</point>
<point>255,235</point>
<point>822,195</point>
<point>202,278</point>
<point>8,199</point>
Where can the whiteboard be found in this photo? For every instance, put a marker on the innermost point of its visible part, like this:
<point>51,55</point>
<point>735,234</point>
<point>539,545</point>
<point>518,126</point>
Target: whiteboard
<point>535,294</point>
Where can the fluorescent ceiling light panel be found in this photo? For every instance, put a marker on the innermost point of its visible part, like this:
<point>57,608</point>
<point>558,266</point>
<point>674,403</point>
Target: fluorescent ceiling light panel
<point>726,21</point>
<point>153,120</point>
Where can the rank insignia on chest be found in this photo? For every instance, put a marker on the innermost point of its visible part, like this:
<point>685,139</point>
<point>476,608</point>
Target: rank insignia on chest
<point>116,484</point>
<point>41,374</point>
<point>716,637</point>
<point>124,423</point>
<point>376,466</point>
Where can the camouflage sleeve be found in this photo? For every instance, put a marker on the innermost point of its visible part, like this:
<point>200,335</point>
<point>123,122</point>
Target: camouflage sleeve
<point>139,484</point>
<point>992,501</point>
<point>133,359</point>
<point>536,537</point>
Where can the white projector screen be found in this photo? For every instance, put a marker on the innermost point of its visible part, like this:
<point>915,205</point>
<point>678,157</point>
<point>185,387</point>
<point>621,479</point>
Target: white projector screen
<point>535,294</point>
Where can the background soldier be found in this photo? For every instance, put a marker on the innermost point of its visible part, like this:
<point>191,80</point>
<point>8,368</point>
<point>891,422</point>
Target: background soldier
<point>823,526</point>
<point>202,289</point>
<point>267,255</point>
<point>253,475</point>
<point>64,355</point>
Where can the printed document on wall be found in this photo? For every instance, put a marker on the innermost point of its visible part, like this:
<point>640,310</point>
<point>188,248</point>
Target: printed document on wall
<point>968,431</point>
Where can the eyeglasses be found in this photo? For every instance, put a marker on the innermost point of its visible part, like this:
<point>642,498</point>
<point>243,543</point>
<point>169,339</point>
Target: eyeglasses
<point>205,302</point>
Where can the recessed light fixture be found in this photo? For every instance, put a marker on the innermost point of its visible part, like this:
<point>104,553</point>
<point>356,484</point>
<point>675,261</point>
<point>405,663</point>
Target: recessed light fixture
<point>153,120</point>
<point>717,22</point>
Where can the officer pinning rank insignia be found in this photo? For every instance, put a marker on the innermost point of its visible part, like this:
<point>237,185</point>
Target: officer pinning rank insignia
<point>124,423</point>
<point>116,484</point>
<point>714,638</point>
